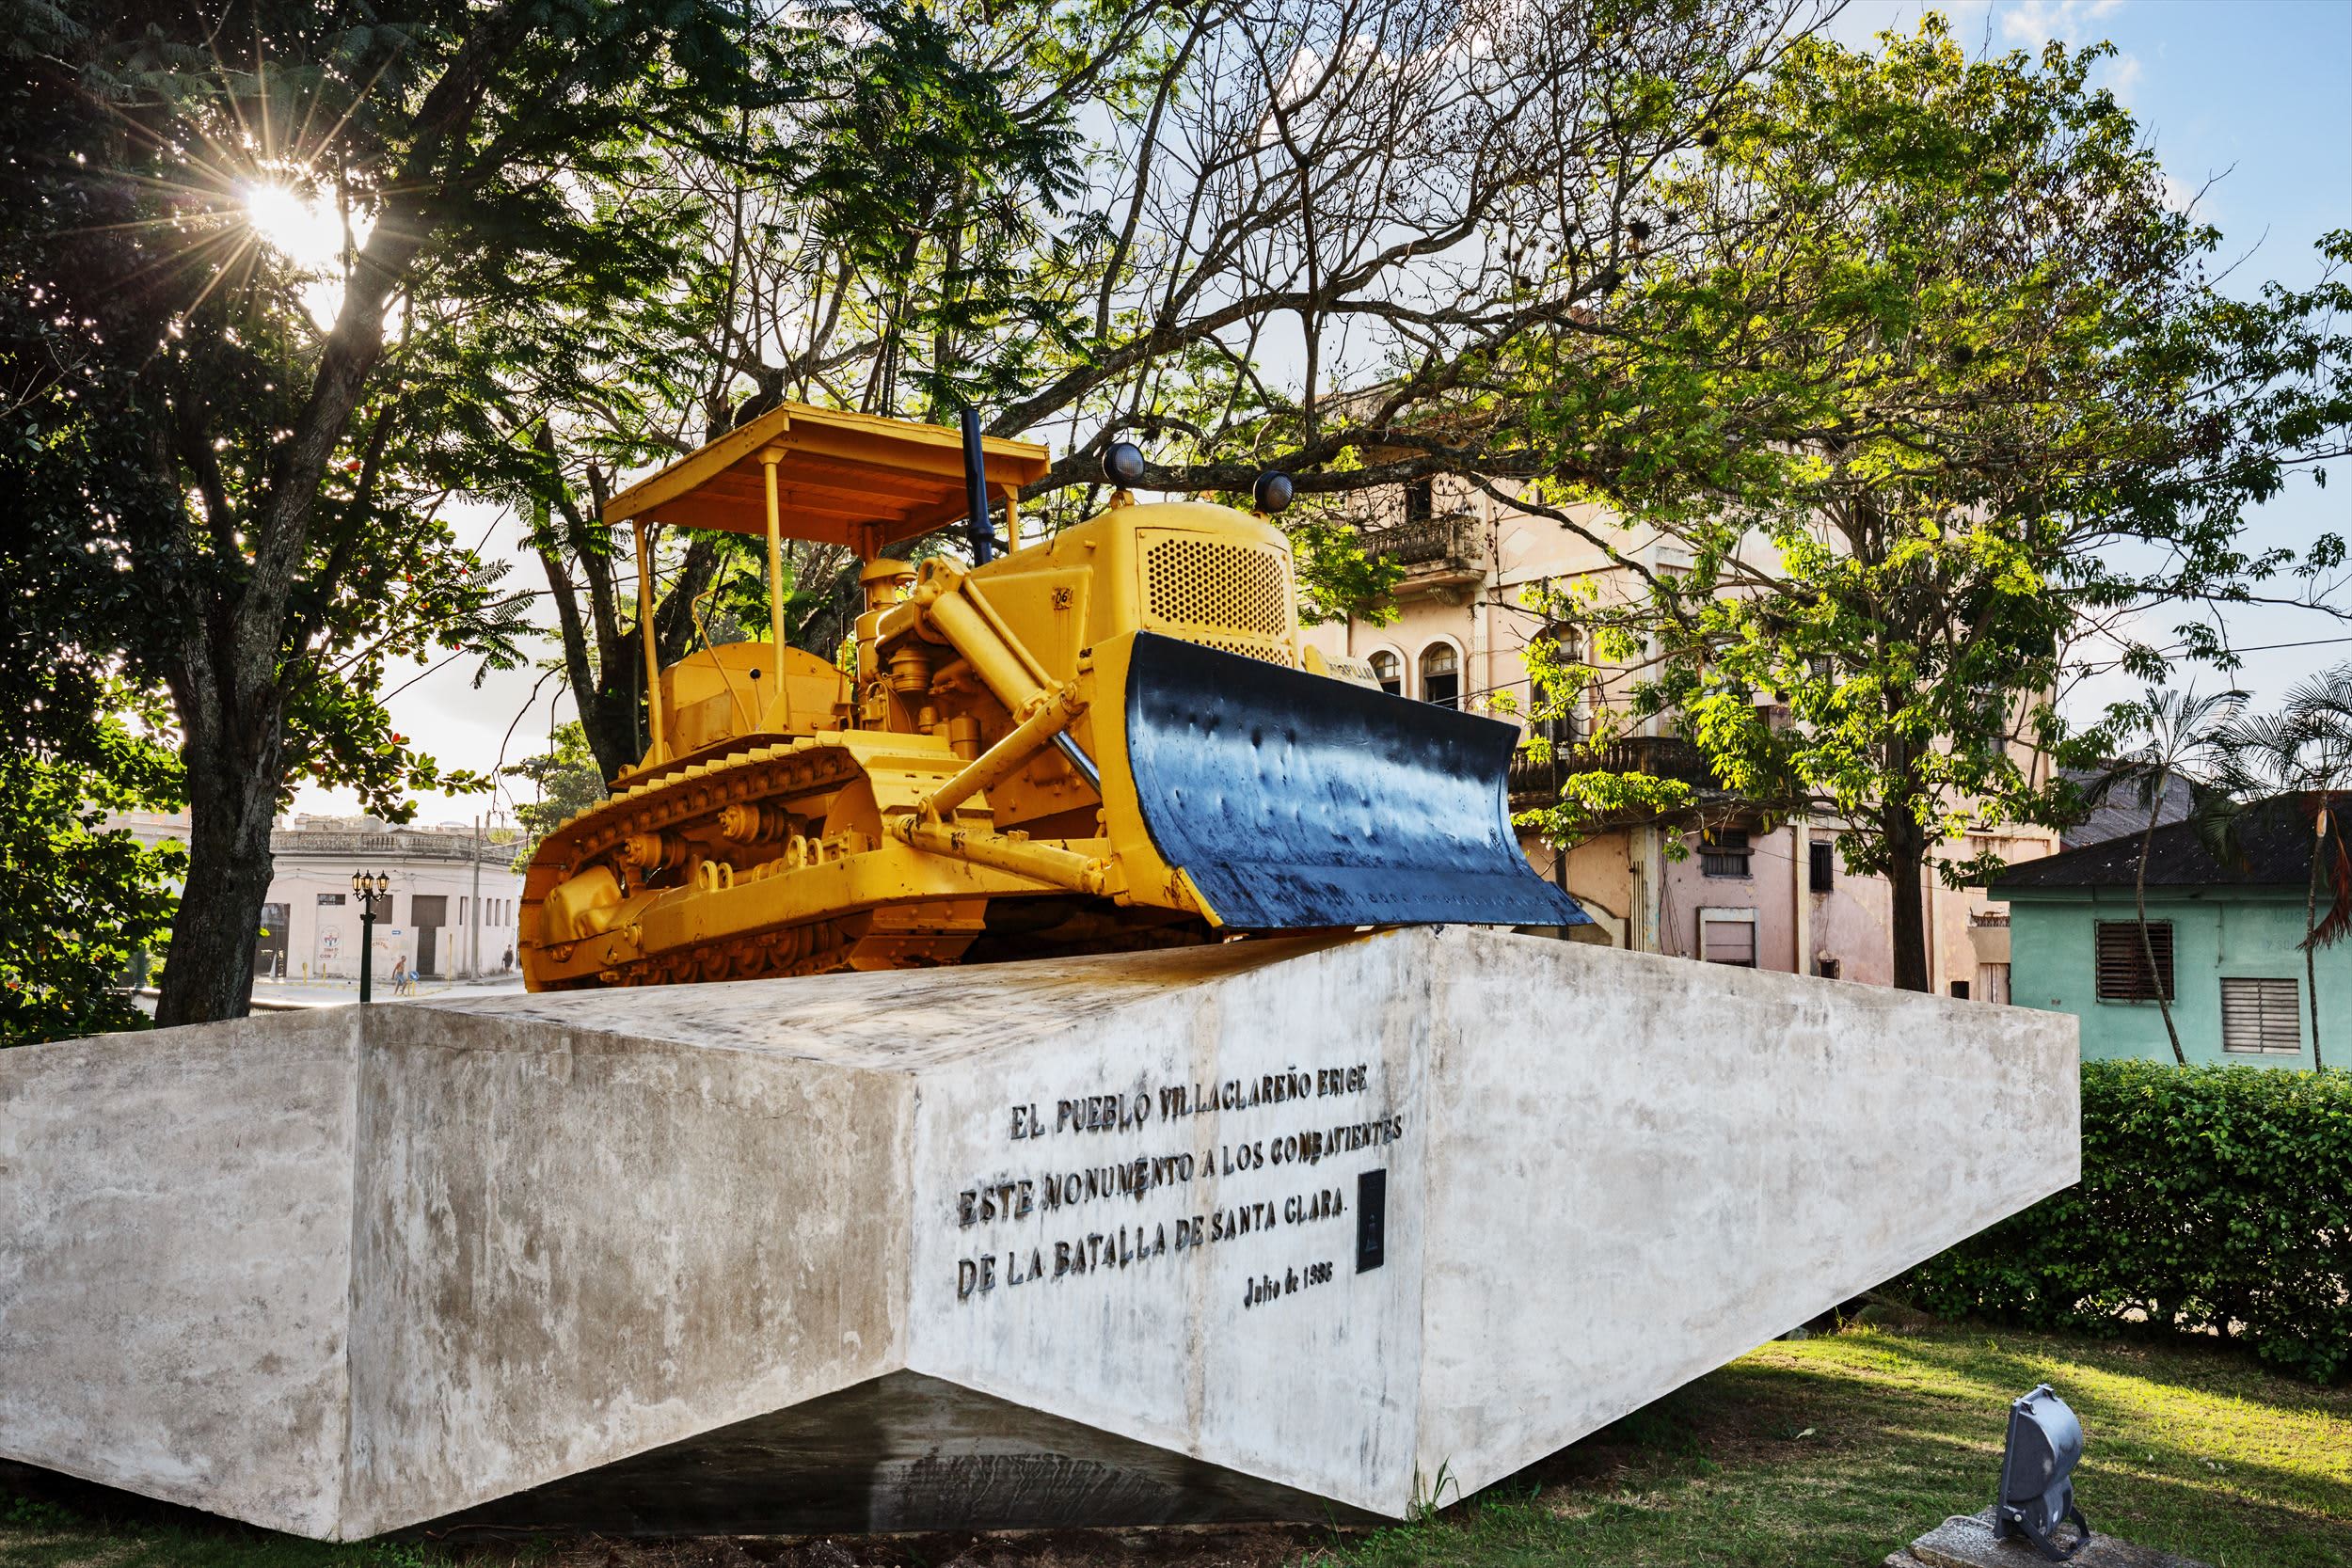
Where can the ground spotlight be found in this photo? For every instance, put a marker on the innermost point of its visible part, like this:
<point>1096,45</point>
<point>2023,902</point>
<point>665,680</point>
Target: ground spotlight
<point>2045,1443</point>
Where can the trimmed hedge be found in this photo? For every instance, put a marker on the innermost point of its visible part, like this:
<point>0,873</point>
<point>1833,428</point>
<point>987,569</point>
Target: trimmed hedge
<point>2213,1198</point>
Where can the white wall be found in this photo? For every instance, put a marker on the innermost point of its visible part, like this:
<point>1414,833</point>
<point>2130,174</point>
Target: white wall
<point>323,938</point>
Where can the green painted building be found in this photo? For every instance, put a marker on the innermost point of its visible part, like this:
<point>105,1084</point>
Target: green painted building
<point>2224,937</point>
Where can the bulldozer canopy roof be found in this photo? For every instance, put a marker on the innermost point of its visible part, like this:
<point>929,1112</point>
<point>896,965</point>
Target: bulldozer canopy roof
<point>843,479</point>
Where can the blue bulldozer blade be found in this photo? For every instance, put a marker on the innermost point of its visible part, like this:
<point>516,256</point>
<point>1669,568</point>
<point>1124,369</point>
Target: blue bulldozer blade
<point>1295,801</point>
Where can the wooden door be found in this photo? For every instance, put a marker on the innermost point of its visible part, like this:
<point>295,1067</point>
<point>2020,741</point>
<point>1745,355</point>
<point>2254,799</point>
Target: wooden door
<point>430,911</point>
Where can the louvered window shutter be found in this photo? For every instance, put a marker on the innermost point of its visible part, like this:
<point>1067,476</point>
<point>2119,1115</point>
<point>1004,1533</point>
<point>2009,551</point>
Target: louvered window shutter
<point>2123,972</point>
<point>2262,1016</point>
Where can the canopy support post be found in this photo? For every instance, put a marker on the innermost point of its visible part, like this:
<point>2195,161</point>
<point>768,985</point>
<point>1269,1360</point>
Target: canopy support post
<point>661,752</point>
<point>769,458</point>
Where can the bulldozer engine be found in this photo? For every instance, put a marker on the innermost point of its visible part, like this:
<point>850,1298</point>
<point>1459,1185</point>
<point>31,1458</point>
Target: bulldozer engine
<point>1105,740</point>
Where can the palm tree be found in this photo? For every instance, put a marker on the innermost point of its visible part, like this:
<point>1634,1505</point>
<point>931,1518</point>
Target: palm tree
<point>2305,751</point>
<point>2182,737</point>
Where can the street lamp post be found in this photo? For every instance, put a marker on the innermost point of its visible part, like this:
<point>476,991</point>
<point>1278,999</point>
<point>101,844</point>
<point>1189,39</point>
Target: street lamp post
<point>370,886</point>
<point>497,820</point>
<point>473,911</point>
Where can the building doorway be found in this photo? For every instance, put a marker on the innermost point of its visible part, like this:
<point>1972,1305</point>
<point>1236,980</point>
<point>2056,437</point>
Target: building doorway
<point>429,912</point>
<point>269,952</point>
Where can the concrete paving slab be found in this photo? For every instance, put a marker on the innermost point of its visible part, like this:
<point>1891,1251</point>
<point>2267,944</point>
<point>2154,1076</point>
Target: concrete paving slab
<point>1966,1541</point>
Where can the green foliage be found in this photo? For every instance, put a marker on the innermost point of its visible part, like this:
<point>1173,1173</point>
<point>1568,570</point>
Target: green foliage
<point>2306,749</point>
<point>1337,576</point>
<point>1592,801</point>
<point>76,903</point>
<point>932,187</point>
<point>244,451</point>
<point>2213,1199</point>
<point>1589,799</point>
<point>872,234</point>
<point>1926,379</point>
<point>566,780</point>
<point>79,904</point>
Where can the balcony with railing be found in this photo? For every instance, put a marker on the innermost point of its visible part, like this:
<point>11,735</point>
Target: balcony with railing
<point>1440,548</point>
<point>1536,784</point>
<point>1987,936</point>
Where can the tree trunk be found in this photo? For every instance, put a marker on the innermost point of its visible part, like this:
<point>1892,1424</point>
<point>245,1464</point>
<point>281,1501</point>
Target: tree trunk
<point>2147,946</point>
<point>1906,857</point>
<point>2311,922</point>
<point>608,715</point>
<point>227,672</point>
<point>612,720</point>
<point>1906,847</point>
<point>234,779</point>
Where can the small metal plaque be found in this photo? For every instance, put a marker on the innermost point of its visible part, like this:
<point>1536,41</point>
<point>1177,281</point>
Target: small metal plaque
<point>1371,1218</point>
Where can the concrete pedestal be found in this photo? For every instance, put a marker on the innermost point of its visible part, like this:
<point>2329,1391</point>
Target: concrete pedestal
<point>1257,1230</point>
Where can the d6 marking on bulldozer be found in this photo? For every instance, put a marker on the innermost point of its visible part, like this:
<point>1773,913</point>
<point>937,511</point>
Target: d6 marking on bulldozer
<point>1107,740</point>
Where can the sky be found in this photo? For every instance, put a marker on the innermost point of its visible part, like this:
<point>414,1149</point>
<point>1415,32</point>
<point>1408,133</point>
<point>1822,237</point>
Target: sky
<point>2249,103</point>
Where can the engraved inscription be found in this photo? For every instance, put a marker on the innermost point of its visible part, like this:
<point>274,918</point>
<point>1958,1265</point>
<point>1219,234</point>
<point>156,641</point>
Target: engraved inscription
<point>1202,1174</point>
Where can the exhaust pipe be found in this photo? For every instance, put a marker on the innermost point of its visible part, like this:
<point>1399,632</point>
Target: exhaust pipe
<point>982,533</point>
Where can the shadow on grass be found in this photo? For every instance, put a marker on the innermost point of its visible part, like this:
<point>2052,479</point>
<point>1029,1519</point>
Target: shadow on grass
<point>49,1520</point>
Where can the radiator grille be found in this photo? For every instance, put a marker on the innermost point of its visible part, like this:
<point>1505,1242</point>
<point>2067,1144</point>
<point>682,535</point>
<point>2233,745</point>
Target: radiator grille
<point>1225,596</point>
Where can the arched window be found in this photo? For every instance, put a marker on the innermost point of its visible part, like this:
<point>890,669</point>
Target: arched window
<point>1389,671</point>
<point>1565,727</point>
<point>1440,675</point>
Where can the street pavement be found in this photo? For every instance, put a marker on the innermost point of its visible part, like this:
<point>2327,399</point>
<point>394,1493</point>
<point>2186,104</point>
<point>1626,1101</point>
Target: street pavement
<point>342,993</point>
<point>277,996</point>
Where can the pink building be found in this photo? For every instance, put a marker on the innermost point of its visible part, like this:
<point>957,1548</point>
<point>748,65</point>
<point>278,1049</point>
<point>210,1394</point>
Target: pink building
<point>1772,897</point>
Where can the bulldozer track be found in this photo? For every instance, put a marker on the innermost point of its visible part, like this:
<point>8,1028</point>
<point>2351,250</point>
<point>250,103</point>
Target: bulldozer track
<point>699,791</point>
<point>694,795</point>
<point>811,948</point>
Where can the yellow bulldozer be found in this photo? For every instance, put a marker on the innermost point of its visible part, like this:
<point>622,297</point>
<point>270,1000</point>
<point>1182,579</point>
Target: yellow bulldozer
<point>1107,739</point>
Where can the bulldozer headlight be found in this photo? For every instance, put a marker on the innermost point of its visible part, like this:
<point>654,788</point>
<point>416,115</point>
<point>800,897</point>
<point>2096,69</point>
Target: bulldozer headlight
<point>2045,1443</point>
<point>1122,464</point>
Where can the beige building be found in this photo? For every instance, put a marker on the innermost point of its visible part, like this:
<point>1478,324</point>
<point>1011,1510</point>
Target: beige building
<point>450,913</point>
<point>1767,895</point>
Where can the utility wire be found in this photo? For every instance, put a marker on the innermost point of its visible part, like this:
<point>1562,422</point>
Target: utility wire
<point>2307,643</point>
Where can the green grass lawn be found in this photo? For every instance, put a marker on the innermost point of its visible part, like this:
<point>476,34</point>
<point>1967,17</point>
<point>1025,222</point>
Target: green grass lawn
<point>1840,1448</point>
<point>1830,1450</point>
